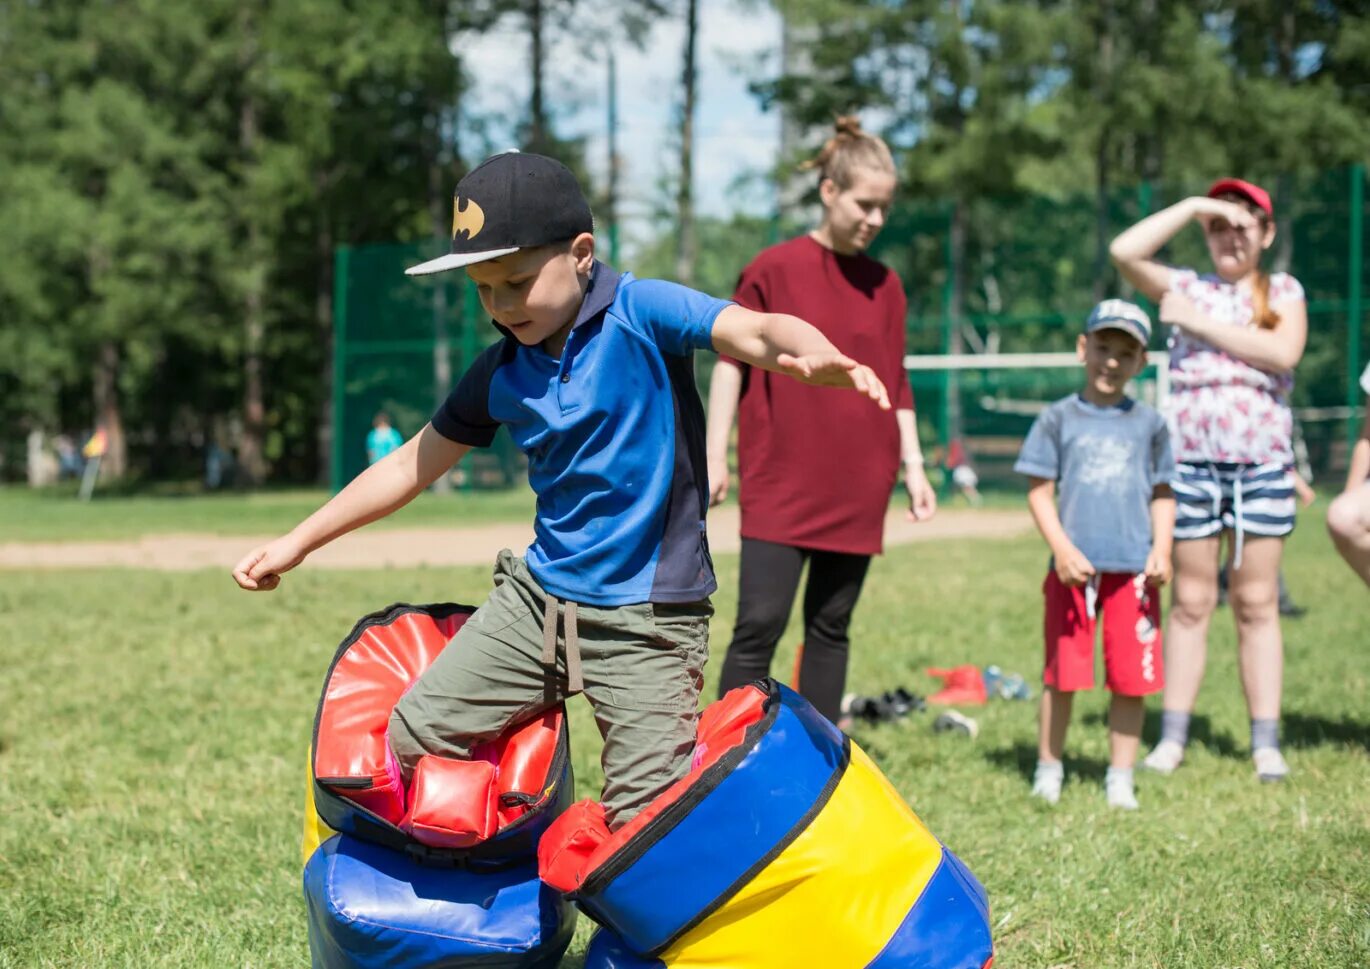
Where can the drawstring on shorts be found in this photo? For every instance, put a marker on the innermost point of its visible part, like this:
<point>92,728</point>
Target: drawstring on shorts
<point>575,681</point>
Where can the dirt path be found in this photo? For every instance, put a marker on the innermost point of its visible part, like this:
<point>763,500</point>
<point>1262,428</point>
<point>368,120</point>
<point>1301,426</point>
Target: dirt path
<point>404,548</point>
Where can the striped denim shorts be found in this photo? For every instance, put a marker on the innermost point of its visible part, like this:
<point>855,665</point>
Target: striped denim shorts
<point>1254,500</point>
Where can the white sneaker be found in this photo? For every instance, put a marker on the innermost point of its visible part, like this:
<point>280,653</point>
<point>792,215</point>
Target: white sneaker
<point>1165,757</point>
<point>1120,793</point>
<point>1270,765</point>
<point>1046,782</point>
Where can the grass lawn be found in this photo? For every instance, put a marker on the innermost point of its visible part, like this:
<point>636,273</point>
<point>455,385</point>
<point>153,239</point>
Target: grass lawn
<point>55,514</point>
<point>153,730</point>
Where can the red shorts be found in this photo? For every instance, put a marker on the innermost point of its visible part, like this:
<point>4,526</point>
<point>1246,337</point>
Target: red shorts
<point>1131,614</point>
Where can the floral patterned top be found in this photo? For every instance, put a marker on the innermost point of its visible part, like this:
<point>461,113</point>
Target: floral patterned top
<point>1221,409</point>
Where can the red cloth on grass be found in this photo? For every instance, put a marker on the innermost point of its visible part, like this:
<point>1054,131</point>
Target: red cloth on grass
<point>817,464</point>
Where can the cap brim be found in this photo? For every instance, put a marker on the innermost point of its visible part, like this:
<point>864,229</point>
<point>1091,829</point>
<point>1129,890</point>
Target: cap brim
<point>1125,326</point>
<point>455,260</point>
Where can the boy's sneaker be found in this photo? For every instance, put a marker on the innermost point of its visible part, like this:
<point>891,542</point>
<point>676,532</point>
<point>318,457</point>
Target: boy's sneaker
<point>1119,790</point>
<point>1046,781</point>
<point>1270,765</point>
<point>1165,757</point>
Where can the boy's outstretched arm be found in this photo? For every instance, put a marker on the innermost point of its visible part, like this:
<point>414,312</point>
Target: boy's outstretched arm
<point>788,345</point>
<point>386,486</point>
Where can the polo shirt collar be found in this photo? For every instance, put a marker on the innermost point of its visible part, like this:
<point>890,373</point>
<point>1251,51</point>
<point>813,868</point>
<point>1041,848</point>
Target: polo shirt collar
<point>599,295</point>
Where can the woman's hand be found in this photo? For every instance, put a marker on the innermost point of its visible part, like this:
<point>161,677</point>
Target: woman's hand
<point>1207,209</point>
<point>719,479</point>
<point>922,496</point>
<point>835,370</point>
<point>260,570</point>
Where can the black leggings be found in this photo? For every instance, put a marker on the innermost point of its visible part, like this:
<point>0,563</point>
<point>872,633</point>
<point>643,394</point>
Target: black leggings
<point>769,580</point>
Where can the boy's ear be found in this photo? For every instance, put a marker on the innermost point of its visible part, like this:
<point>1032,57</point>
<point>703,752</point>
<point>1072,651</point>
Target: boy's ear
<point>583,252</point>
<point>1081,342</point>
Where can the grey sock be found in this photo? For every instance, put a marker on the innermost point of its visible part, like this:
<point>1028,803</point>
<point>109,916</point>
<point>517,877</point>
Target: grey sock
<point>1265,733</point>
<point>1175,726</point>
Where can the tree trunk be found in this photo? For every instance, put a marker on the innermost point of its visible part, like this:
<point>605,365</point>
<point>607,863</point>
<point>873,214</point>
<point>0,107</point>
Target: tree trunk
<point>108,414</point>
<point>956,251</point>
<point>323,320</point>
<point>611,195</point>
<point>251,455</point>
<point>685,239</point>
<point>440,208</point>
<point>537,111</point>
<point>1102,92</point>
<point>797,42</point>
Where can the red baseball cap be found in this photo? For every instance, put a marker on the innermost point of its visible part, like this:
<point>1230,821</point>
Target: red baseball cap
<point>1255,193</point>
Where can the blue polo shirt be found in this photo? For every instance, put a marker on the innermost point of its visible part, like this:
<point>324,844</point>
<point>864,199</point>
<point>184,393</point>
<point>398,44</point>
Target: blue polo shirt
<point>614,434</point>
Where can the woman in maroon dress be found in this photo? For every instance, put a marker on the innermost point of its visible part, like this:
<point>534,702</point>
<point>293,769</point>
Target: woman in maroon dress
<point>816,470</point>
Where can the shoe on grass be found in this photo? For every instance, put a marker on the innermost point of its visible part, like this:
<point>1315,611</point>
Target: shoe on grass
<point>1047,780</point>
<point>1164,757</point>
<point>1120,793</point>
<point>1270,765</point>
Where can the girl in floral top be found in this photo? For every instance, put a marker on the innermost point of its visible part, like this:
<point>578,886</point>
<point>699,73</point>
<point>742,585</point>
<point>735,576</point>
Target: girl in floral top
<point>1237,335</point>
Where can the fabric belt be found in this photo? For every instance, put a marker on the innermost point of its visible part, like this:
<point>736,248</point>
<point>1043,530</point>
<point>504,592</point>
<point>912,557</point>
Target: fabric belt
<point>575,681</point>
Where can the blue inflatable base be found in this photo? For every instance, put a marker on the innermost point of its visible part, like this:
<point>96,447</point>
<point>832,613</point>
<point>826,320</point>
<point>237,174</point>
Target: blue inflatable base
<point>371,907</point>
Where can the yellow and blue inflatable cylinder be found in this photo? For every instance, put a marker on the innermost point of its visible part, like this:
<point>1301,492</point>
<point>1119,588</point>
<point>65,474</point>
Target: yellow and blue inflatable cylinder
<point>789,848</point>
<point>376,894</point>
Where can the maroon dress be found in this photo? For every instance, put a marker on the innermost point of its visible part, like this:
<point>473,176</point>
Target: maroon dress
<point>817,465</point>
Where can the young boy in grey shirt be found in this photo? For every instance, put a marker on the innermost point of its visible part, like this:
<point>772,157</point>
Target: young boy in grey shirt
<point>1110,541</point>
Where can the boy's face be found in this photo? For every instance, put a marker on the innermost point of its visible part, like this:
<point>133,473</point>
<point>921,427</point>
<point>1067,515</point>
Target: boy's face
<point>536,293</point>
<point>1111,359</point>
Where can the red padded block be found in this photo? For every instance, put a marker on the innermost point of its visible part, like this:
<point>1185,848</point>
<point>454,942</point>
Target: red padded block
<point>565,850</point>
<point>363,687</point>
<point>455,802</point>
<point>523,755</point>
<point>579,841</point>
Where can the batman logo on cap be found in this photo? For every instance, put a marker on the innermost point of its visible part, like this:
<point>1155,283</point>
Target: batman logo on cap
<point>469,219</point>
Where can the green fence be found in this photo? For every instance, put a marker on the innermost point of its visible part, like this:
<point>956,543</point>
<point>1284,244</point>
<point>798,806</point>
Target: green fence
<point>1011,274</point>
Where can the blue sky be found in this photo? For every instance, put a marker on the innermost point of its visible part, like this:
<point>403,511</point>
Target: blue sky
<point>739,40</point>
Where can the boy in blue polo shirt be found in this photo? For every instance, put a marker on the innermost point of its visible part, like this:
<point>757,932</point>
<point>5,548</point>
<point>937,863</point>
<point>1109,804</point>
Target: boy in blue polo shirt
<point>594,382</point>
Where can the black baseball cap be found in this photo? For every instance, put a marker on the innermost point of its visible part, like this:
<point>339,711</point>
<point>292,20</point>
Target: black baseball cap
<point>509,202</point>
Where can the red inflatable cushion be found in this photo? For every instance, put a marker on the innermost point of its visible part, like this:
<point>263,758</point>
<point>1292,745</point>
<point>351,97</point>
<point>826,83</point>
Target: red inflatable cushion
<point>456,804</point>
<point>579,841</point>
<point>452,803</point>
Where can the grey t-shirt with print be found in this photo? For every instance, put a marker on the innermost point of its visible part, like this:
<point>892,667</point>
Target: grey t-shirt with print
<point>1106,462</point>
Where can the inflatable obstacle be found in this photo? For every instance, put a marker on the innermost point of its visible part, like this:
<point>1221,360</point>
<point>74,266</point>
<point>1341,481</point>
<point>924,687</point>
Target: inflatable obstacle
<point>442,873</point>
<point>784,846</point>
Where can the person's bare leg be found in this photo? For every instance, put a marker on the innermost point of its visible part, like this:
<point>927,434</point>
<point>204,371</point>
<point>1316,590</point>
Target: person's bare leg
<point>1348,521</point>
<point>1193,598</point>
<point>1125,716</point>
<point>1053,719</point>
<point>1053,722</point>
<point>1255,601</point>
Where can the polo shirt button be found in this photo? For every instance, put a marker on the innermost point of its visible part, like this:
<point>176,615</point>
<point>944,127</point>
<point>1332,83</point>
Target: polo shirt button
<point>566,378</point>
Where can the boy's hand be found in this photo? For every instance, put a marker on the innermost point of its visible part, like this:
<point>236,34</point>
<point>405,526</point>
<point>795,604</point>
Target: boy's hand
<point>922,496</point>
<point>260,570</point>
<point>835,370</point>
<point>1158,567</point>
<point>1072,568</point>
<point>718,479</point>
